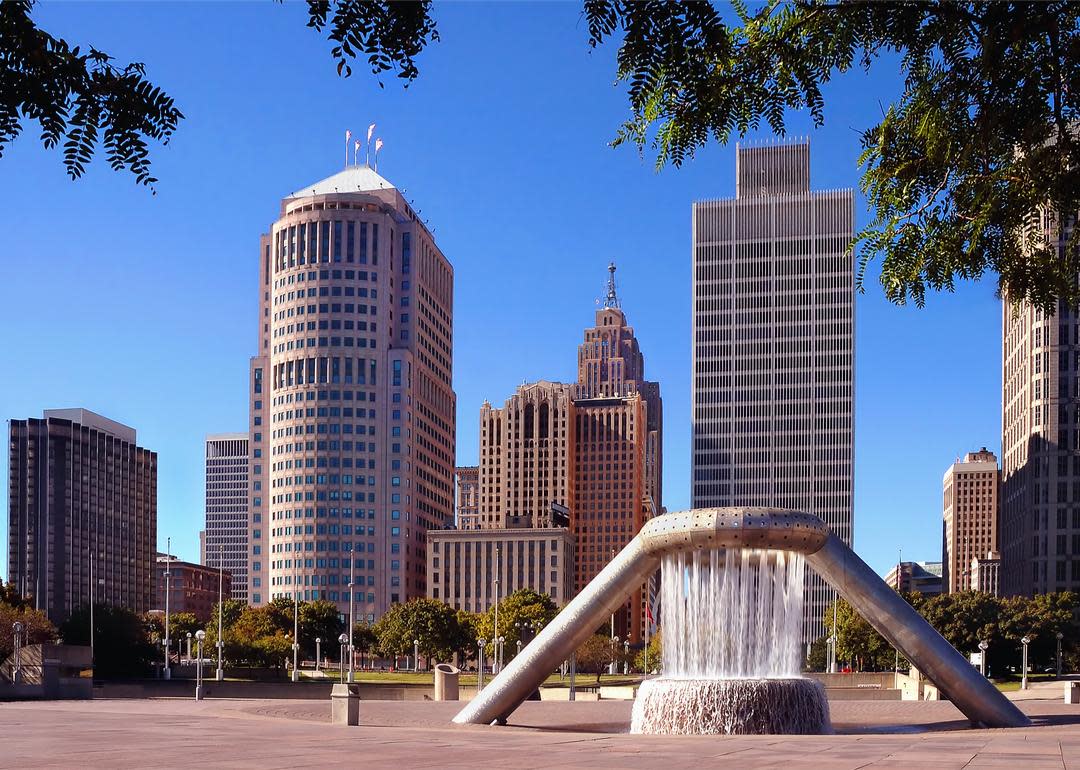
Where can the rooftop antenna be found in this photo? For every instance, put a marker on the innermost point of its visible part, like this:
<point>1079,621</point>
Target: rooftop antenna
<point>612,299</point>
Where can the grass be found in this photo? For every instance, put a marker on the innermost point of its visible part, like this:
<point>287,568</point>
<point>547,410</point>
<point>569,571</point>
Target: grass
<point>469,680</point>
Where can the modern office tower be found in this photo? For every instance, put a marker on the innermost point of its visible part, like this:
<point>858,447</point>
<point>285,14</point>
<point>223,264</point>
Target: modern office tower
<point>467,493</point>
<point>970,518</point>
<point>526,456</point>
<point>773,337</point>
<point>82,503</point>
<point>352,408</point>
<point>592,448</point>
<point>225,542</point>
<point>922,577</point>
<point>464,564</point>
<point>192,588</point>
<point>1040,443</point>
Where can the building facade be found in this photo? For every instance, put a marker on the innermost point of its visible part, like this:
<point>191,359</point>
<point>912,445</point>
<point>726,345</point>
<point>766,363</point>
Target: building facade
<point>467,567</point>
<point>82,513</point>
<point>1040,442</point>
<point>970,518</point>
<point>352,407</point>
<point>922,577</point>
<point>467,496</point>
<point>986,574</point>
<point>192,588</point>
<point>224,542</point>
<point>773,333</point>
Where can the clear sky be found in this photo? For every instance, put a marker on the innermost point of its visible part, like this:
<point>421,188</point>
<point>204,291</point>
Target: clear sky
<point>143,307</point>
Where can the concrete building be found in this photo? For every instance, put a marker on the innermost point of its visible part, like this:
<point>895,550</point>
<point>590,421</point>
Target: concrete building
<point>192,587</point>
<point>922,577</point>
<point>224,542</point>
<point>1040,441</point>
<point>773,332</point>
<point>80,489</point>
<point>463,565</point>
<point>592,448</point>
<point>986,573</point>
<point>467,491</point>
<point>970,518</point>
<point>352,407</point>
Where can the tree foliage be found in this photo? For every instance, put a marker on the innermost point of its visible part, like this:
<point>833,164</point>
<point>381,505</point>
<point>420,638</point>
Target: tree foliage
<point>595,655</point>
<point>519,614</point>
<point>37,629</point>
<point>79,97</point>
<point>122,640</point>
<point>431,622</point>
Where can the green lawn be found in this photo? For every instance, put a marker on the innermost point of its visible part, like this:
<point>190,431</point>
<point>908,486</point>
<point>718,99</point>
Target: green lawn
<point>469,680</point>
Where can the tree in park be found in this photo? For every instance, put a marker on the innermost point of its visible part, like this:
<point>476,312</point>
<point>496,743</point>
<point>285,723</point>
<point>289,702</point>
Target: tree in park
<point>37,629</point>
<point>122,645</point>
<point>519,613</point>
<point>595,655</point>
<point>365,640</point>
<point>427,621</point>
<point>319,619</point>
<point>654,659</point>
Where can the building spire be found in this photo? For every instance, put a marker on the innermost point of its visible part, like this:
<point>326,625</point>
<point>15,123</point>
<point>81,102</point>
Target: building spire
<point>612,299</point>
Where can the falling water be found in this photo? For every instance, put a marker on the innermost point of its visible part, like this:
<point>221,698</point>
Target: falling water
<point>732,614</point>
<point>732,623</point>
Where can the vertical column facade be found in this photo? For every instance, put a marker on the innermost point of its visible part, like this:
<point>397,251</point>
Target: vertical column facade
<point>970,517</point>
<point>773,331</point>
<point>224,542</point>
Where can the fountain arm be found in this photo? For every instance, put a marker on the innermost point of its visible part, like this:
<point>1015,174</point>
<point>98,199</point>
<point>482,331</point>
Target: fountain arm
<point>896,620</point>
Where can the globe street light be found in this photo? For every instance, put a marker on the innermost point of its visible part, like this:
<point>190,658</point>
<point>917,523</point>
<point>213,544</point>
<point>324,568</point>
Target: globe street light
<point>17,630</point>
<point>1059,636</point>
<point>614,647</point>
<point>189,646</point>
<point>343,641</point>
<point>318,651</point>
<point>416,654</point>
<point>480,665</point>
<point>502,646</point>
<point>626,657</point>
<point>983,646</point>
<point>1023,682</point>
<point>220,644</point>
<point>199,636</point>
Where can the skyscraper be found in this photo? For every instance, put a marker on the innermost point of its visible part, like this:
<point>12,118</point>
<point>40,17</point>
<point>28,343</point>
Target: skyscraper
<point>352,407</point>
<point>467,497</point>
<point>225,542</point>
<point>592,448</point>
<point>1040,443</point>
<point>773,347</point>
<point>970,517</point>
<point>80,490</point>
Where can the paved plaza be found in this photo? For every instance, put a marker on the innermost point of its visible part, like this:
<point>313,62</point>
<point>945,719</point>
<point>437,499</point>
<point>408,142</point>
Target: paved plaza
<point>180,733</point>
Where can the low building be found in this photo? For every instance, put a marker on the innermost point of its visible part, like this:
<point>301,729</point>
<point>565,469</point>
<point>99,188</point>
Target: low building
<point>923,577</point>
<point>468,568</point>
<point>984,573</point>
<point>192,587</point>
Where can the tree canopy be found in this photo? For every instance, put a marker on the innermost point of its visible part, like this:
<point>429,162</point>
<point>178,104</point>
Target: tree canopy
<point>958,170</point>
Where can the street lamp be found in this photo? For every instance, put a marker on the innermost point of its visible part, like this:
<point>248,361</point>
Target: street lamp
<point>17,630</point>
<point>318,651</point>
<point>343,641</point>
<point>983,646</point>
<point>614,646</point>
<point>518,647</point>
<point>296,638</point>
<point>626,657</point>
<point>189,646</point>
<point>220,634</point>
<point>199,636</point>
<point>352,619</point>
<point>832,653</point>
<point>1059,636</point>
<point>480,665</point>
<point>495,637</point>
<point>166,674</point>
<point>1025,641</point>
<point>502,646</point>
<point>416,654</point>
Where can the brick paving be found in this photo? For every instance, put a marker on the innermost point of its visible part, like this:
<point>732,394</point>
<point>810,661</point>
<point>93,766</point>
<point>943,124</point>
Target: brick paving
<point>168,733</point>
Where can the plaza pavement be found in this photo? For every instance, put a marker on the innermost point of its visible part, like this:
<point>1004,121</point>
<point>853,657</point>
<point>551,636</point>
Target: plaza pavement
<point>180,733</point>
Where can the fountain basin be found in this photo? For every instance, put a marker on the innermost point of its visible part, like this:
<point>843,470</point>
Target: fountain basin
<point>780,706</point>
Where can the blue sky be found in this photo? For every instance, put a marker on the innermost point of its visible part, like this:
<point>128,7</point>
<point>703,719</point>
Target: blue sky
<point>143,307</point>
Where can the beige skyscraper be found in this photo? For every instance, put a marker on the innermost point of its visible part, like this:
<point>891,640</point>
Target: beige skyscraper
<point>773,337</point>
<point>467,497</point>
<point>352,407</point>
<point>970,521</point>
<point>224,542</point>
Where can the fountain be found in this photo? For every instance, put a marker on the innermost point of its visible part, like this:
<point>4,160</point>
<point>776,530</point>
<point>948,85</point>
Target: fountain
<point>736,579</point>
<point>732,621</point>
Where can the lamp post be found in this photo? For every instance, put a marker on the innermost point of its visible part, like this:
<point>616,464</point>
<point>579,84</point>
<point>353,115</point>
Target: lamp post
<point>502,646</point>
<point>614,647</point>
<point>220,594</point>
<point>983,647</point>
<point>1059,636</point>
<point>518,647</point>
<point>166,673</point>
<point>480,666</point>
<point>318,651</point>
<point>626,657</point>
<point>296,626</point>
<point>352,618</point>
<point>416,654</point>
<point>495,638</point>
<point>17,631</point>
<point>189,646</point>
<point>343,641</point>
<point>1023,682</point>
<point>832,653</point>
<point>199,636</point>
<point>573,676</point>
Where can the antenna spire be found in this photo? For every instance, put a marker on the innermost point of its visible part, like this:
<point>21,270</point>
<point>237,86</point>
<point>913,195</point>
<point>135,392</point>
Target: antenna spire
<point>612,299</point>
